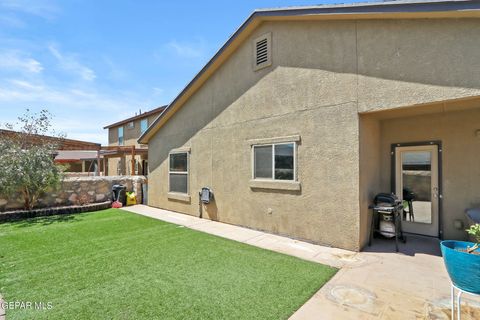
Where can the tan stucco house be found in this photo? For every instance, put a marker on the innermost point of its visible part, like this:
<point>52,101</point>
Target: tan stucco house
<point>307,112</point>
<point>124,155</point>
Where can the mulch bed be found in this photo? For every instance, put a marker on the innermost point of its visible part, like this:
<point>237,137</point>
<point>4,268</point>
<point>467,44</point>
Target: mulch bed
<point>26,214</point>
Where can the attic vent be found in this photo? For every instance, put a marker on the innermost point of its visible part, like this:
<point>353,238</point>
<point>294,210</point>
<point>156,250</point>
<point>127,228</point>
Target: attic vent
<point>262,51</point>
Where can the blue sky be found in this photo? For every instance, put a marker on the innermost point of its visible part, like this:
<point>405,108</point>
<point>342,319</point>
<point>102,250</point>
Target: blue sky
<point>91,63</point>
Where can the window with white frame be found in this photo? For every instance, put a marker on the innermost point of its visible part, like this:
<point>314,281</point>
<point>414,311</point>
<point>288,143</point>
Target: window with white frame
<point>178,172</point>
<point>120,136</point>
<point>143,125</point>
<point>274,161</point>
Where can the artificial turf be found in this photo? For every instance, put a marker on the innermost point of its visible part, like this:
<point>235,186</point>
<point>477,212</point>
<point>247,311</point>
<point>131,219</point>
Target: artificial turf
<point>114,264</point>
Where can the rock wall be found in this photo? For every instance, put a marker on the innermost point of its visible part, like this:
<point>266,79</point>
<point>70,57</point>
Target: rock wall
<point>79,191</point>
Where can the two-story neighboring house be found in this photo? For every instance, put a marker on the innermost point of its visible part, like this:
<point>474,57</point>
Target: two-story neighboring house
<point>123,146</point>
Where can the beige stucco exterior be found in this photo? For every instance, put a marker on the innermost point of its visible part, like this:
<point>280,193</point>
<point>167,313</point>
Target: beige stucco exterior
<point>122,165</point>
<point>325,79</point>
<point>130,134</point>
<point>460,157</point>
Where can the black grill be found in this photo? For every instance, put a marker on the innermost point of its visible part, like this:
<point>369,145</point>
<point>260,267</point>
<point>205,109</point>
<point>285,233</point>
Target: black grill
<point>387,207</point>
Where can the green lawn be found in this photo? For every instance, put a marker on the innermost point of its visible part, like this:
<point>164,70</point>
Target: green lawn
<point>113,264</point>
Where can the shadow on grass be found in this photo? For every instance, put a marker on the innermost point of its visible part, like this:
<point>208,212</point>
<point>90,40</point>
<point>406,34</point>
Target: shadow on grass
<point>45,220</point>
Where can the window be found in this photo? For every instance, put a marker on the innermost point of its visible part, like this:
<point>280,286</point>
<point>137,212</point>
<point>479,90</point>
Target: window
<point>262,51</point>
<point>145,167</point>
<point>274,161</point>
<point>120,136</point>
<point>178,172</point>
<point>143,125</point>
<point>137,167</point>
<point>131,125</point>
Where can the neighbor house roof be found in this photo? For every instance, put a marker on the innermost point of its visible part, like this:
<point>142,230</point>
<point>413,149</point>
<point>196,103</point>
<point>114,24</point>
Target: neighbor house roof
<point>136,117</point>
<point>369,10</point>
<point>70,155</point>
<point>63,143</point>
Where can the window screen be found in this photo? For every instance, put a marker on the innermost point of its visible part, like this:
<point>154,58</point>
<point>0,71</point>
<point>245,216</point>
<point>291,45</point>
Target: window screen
<point>263,161</point>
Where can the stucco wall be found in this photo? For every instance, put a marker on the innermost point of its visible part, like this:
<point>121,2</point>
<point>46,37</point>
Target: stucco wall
<point>236,105</point>
<point>113,164</point>
<point>369,172</point>
<point>323,73</point>
<point>408,62</point>
<point>460,157</point>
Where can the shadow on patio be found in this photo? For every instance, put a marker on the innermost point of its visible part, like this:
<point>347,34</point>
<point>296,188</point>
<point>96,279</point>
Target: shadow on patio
<point>415,244</point>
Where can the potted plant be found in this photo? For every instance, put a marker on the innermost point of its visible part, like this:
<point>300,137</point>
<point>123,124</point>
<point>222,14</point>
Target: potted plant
<point>462,260</point>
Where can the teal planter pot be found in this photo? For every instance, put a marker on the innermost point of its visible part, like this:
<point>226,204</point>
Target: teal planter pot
<point>463,268</point>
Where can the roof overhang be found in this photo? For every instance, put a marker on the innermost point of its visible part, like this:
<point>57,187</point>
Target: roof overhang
<point>357,11</point>
<point>69,155</point>
<point>118,151</point>
<point>62,143</point>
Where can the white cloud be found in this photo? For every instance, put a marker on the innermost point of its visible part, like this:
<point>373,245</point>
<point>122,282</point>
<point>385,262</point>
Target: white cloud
<point>17,61</point>
<point>194,49</point>
<point>69,63</point>
<point>114,71</point>
<point>158,91</point>
<point>42,8</point>
<point>101,137</point>
<point>79,129</point>
<point>81,113</point>
<point>17,90</point>
<point>25,85</point>
<point>12,21</point>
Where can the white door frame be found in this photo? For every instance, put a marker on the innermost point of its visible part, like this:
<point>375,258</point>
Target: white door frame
<point>434,229</point>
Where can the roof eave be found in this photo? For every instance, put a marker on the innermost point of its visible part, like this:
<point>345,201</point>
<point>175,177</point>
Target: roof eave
<point>140,116</point>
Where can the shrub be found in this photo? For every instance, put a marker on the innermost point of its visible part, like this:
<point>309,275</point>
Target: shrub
<point>27,158</point>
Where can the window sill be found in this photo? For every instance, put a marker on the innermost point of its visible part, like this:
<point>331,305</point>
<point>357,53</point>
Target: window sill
<point>178,196</point>
<point>275,185</point>
<point>285,139</point>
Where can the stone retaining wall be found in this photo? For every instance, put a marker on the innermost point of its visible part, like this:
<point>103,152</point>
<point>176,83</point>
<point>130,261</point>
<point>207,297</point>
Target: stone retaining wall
<point>80,191</point>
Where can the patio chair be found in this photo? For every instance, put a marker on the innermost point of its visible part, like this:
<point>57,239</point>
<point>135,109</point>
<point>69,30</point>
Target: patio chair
<point>408,197</point>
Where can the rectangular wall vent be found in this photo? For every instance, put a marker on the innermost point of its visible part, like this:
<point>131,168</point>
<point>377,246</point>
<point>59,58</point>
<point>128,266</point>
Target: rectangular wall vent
<point>262,51</point>
<point>262,54</point>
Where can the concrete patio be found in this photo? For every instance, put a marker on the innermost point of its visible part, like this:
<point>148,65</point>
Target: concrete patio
<point>375,284</point>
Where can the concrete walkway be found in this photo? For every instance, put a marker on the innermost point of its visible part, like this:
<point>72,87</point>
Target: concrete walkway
<point>375,284</point>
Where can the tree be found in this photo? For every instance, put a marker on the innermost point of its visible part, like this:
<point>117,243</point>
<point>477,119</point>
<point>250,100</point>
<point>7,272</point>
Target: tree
<point>27,158</point>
